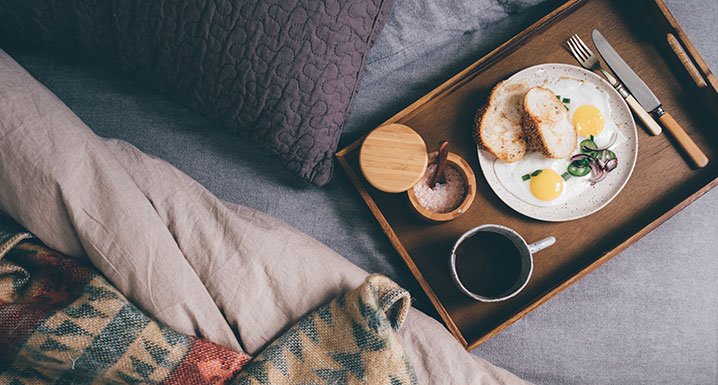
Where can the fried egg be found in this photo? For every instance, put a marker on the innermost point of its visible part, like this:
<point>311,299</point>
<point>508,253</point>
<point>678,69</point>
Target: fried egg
<point>588,109</point>
<point>545,189</point>
<point>590,112</point>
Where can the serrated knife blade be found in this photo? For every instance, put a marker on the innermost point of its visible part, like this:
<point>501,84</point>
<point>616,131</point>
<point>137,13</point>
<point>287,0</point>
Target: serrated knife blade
<point>628,77</point>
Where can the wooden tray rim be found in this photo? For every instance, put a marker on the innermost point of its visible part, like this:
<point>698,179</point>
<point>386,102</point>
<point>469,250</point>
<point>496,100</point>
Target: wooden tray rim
<point>456,81</point>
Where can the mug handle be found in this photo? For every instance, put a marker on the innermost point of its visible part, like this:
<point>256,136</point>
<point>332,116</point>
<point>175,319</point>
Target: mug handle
<point>542,244</point>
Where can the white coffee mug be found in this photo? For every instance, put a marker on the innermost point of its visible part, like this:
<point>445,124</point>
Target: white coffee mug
<point>525,250</point>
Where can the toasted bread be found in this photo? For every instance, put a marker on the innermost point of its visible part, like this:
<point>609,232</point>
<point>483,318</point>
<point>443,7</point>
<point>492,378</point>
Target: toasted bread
<point>546,124</point>
<point>497,126</point>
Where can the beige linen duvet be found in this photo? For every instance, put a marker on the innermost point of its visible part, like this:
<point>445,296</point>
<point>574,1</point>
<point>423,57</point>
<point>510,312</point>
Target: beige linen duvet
<point>202,266</point>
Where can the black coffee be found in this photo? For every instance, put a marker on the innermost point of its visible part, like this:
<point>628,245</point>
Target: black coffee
<point>488,264</point>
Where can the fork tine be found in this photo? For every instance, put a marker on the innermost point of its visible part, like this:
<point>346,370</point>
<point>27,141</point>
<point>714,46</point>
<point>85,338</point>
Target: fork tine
<point>583,47</point>
<point>576,46</point>
<point>578,49</point>
<point>574,50</point>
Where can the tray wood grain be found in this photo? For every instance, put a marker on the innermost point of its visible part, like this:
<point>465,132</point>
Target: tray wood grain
<point>662,184</point>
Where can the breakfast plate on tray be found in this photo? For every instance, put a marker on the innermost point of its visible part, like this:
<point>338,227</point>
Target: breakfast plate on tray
<point>556,142</point>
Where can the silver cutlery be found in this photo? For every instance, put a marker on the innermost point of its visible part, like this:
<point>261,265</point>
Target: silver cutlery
<point>589,61</point>
<point>648,100</point>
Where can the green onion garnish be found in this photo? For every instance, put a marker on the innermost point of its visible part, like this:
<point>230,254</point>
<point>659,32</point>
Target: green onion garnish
<point>526,177</point>
<point>566,100</point>
<point>558,97</point>
<point>566,176</point>
<point>535,173</point>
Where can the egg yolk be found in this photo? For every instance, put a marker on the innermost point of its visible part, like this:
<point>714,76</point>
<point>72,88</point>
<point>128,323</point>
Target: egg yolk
<point>588,120</point>
<point>547,185</point>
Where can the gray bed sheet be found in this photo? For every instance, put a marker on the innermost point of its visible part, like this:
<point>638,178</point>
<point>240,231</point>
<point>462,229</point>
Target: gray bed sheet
<point>648,316</point>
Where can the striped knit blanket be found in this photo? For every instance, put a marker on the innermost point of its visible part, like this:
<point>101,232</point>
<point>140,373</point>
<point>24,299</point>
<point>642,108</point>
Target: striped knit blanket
<point>351,340</point>
<point>63,323</point>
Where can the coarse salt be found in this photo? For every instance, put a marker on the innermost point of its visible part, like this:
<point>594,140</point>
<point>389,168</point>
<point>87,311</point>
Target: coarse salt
<point>443,197</point>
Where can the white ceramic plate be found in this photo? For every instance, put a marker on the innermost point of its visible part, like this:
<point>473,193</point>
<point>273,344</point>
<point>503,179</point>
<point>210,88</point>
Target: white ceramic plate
<point>597,196</point>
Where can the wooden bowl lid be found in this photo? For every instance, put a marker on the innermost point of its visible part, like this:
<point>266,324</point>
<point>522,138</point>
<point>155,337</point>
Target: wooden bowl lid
<point>393,158</point>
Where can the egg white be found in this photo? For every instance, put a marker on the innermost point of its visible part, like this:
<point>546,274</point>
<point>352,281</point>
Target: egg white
<point>580,93</point>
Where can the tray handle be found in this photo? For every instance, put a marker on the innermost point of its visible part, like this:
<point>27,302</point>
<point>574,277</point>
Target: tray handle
<point>686,61</point>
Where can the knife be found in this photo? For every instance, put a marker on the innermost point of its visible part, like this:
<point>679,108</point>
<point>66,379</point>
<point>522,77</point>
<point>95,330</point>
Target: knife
<point>647,99</point>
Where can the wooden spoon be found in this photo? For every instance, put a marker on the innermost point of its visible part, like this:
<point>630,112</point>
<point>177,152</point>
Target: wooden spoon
<point>439,173</point>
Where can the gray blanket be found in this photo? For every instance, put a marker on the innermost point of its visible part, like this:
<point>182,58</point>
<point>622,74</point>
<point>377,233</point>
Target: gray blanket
<point>219,271</point>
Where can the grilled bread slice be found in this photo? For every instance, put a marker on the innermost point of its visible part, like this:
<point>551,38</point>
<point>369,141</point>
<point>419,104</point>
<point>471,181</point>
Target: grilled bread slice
<point>546,124</point>
<point>497,126</point>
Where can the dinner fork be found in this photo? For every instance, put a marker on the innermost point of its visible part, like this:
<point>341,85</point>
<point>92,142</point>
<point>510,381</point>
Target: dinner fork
<point>589,61</point>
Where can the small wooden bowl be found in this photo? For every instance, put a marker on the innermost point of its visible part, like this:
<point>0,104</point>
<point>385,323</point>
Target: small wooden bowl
<point>465,170</point>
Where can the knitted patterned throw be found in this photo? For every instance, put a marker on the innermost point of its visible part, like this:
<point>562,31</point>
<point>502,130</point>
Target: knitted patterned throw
<point>63,323</point>
<point>351,340</point>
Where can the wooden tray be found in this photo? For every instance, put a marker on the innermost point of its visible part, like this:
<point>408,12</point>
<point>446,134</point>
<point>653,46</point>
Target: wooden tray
<point>662,183</point>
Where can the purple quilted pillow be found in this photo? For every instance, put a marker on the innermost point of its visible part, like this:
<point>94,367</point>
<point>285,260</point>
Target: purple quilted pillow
<point>283,72</point>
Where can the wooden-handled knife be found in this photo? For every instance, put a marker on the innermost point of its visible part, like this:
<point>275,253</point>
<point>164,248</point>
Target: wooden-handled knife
<point>648,100</point>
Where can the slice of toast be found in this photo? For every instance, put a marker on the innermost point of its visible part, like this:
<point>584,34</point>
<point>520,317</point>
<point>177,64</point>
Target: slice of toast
<point>497,125</point>
<point>546,124</point>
